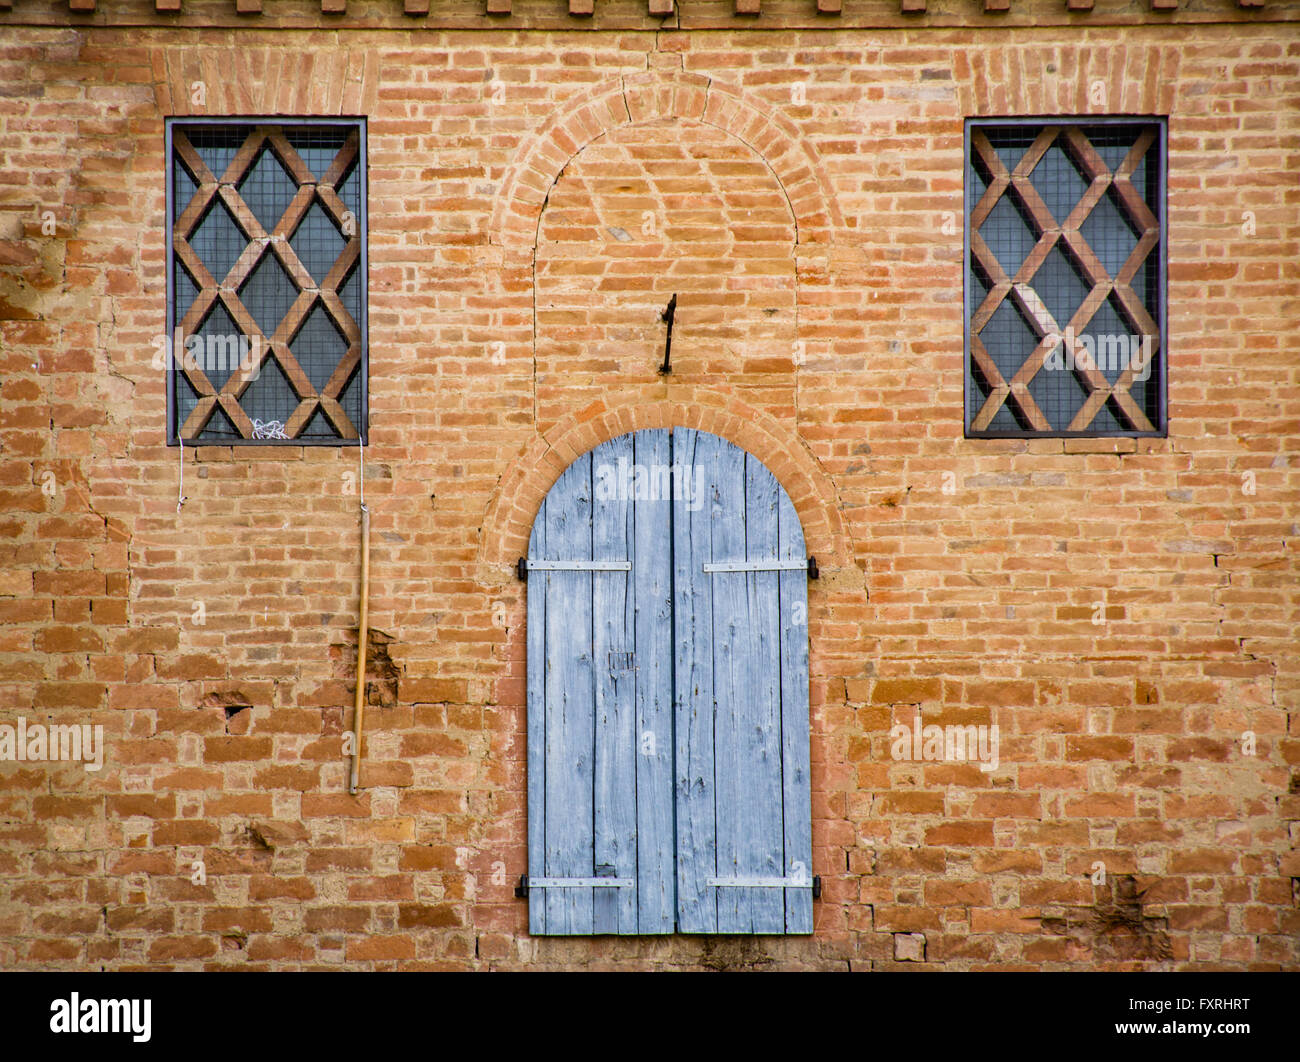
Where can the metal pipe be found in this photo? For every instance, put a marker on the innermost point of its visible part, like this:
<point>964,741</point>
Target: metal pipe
<point>363,641</point>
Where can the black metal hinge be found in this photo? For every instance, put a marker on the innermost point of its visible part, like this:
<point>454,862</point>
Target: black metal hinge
<point>521,890</point>
<point>813,573</point>
<point>521,569</point>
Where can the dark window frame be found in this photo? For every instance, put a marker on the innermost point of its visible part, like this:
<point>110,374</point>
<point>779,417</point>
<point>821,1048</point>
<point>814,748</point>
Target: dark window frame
<point>1160,253</point>
<point>358,122</point>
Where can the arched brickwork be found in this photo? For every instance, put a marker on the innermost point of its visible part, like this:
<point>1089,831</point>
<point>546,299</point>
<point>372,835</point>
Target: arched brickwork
<point>519,494</point>
<point>657,96</point>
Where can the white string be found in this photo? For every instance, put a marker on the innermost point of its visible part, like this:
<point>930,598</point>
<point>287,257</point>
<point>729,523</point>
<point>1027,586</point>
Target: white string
<point>269,429</point>
<point>180,491</point>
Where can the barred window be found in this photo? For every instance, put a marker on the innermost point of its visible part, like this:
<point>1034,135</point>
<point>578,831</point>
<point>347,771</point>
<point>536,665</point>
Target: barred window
<point>266,282</point>
<point>1065,277</point>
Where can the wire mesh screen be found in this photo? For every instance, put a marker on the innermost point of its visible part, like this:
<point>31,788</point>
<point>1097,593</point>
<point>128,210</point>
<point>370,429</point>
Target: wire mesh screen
<point>268,283</point>
<point>1063,279</point>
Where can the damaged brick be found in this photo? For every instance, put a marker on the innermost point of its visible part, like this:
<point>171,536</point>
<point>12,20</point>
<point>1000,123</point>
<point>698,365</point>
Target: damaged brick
<point>1116,928</point>
<point>381,673</point>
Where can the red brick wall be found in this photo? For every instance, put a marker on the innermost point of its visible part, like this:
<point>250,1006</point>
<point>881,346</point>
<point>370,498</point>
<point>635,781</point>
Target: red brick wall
<point>797,187</point>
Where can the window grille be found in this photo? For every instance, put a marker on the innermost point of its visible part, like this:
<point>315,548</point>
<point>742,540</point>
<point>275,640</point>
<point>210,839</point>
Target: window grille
<point>1065,277</point>
<point>267,282</point>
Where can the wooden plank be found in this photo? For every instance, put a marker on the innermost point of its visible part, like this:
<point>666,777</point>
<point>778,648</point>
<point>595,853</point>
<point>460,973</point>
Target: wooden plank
<point>1036,257</point>
<point>992,193</point>
<point>244,158</point>
<point>1078,5</point>
<point>582,8</point>
<point>652,588</point>
<point>289,158</point>
<point>1088,261</point>
<point>733,658</point>
<point>613,630</point>
<point>498,7</point>
<point>913,7</point>
<point>1089,410</point>
<point>333,7</point>
<point>230,406</point>
<point>538,546</point>
<point>997,396</point>
<point>342,372</point>
<point>182,147</point>
<point>1145,245</point>
<point>748,7</point>
<point>343,264</point>
<point>757,692</point>
<point>199,416</point>
<point>570,704</point>
<point>697,910</point>
<point>1034,309</point>
<point>194,211</point>
<point>1033,203</point>
<point>351,330</point>
<point>1134,310</point>
<point>197,270</point>
<point>342,161</point>
<point>244,265</point>
<point>796,719</point>
<point>81,5</point>
<point>296,211</point>
<point>987,260</point>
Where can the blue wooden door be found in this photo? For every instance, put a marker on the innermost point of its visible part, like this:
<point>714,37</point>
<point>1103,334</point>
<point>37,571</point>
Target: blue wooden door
<point>668,782</point>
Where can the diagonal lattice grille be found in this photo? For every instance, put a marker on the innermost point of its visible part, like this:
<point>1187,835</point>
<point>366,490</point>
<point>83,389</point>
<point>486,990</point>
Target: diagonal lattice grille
<point>1063,279</point>
<point>266,266</point>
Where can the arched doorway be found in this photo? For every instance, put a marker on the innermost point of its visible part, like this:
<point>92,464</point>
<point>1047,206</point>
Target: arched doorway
<point>668,723</point>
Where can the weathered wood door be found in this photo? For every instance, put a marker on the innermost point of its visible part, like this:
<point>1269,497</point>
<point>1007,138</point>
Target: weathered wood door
<point>668,776</point>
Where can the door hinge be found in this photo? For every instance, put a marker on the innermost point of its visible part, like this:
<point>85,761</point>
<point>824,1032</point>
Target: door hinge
<point>526,884</point>
<point>523,566</point>
<point>814,883</point>
<point>810,566</point>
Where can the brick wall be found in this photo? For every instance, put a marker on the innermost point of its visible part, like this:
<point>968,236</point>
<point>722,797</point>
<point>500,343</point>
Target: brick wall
<point>535,196</point>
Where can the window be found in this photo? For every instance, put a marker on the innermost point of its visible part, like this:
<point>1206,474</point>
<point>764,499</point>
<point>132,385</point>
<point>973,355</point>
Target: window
<point>266,281</point>
<point>1065,277</point>
<point>668,726</point>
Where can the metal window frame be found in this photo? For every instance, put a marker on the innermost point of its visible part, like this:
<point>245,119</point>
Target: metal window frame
<point>363,163</point>
<point>1161,122</point>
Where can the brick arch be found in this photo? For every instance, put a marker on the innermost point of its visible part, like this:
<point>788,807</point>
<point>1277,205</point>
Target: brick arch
<point>519,493</point>
<point>654,97</point>
<point>265,80</point>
